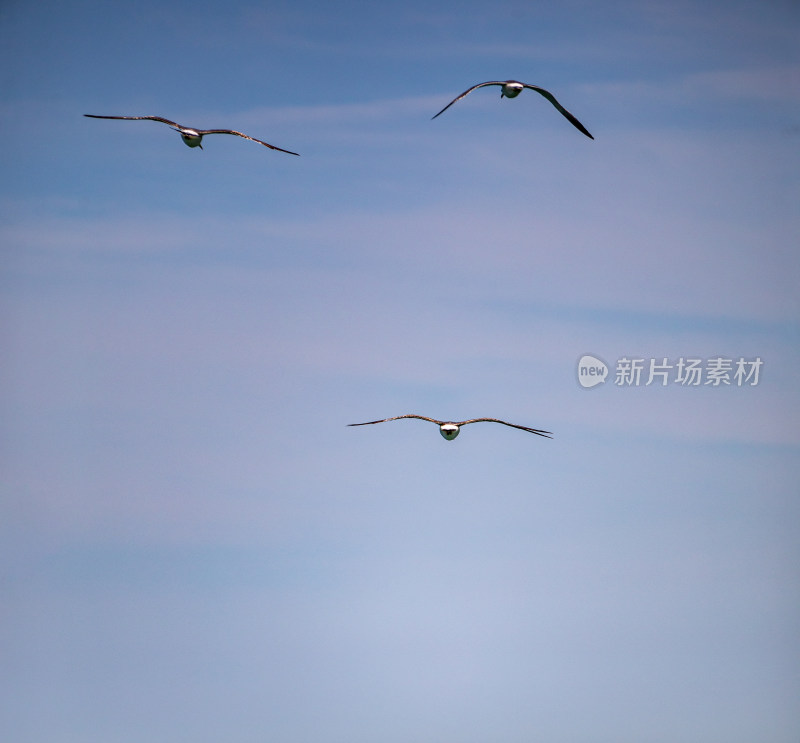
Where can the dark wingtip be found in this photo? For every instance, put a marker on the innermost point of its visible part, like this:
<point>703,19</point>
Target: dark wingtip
<point>580,127</point>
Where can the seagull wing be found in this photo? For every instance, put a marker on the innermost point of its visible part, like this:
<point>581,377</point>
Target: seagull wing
<point>137,118</point>
<point>203,132</point>
<point>538,432</point>
<point>550,97</point>
<point>397,418</point>
<point>466,93</point>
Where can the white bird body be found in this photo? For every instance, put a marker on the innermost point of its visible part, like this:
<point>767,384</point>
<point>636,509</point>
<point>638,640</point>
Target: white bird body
<point>191,137</point>
<point>450,429</point>
<point>511,89</point>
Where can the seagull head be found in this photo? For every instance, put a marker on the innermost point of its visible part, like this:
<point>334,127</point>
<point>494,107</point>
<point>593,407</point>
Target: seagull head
<point>449,430</point>
<point>190,137</point>
<point>511,89</point>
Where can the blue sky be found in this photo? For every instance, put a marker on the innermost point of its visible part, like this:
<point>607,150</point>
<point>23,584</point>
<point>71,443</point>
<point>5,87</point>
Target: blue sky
<point>194,546</point>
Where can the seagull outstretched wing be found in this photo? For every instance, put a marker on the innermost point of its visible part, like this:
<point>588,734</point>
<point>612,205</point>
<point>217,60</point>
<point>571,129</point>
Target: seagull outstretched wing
<point>563,111</point>
<point>466,93</point>
<point>239,134</point>
<point>537,431</point>
<point>397,418</point>
<point>138,118</point>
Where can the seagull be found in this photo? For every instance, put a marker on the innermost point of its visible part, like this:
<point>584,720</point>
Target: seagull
<point>450,430</point>
<point>191,137</point>
<point>511,89</point>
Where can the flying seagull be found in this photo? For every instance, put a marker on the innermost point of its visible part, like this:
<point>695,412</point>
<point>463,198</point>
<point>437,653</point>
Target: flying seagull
<point>449,429</point>
<point>511,89</point>
<point>192,137</point>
